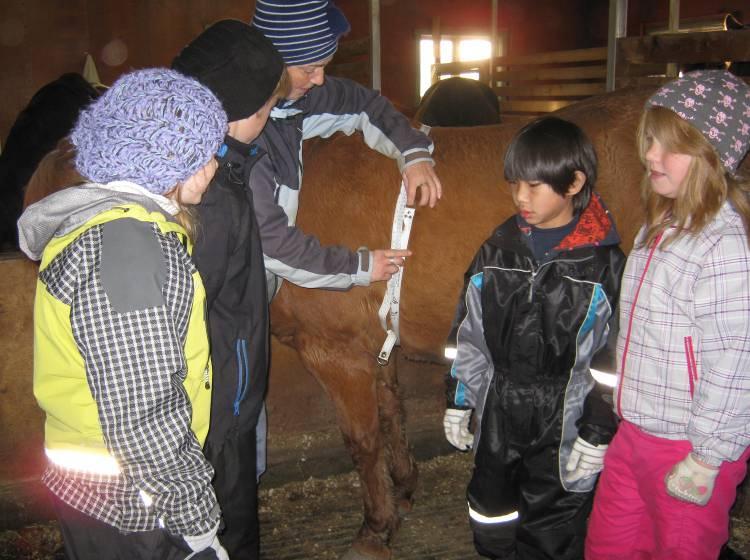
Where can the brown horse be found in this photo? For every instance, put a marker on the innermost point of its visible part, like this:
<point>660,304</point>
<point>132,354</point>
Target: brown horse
<point>337,335</point>
<point>350,193</point>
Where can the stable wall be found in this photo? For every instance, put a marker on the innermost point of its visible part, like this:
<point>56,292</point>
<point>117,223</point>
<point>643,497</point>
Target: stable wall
<point>42,39</point>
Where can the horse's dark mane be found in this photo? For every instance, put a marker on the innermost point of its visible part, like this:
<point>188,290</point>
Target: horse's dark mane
<point>49,116</point>
<point>458,102</point>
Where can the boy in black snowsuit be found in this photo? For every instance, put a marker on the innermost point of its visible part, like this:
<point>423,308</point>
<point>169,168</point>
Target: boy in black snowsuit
<point>536,310</point>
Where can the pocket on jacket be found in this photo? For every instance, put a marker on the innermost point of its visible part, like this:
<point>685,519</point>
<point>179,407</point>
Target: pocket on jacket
<point>243,375</point>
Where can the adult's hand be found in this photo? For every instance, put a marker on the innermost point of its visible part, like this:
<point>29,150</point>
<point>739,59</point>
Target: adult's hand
<point>386,262</point>
<point>421,176</point>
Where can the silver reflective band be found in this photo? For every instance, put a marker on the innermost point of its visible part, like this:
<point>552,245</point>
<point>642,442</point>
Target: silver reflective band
<point>147,500</point>
<point>450,352</point>
<point>83,462</point>
<point>479,518</point>
<point>608,379</point>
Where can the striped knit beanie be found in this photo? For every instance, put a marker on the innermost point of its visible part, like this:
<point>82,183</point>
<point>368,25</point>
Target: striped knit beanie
<point>715,102</point>
<point>303,31</point>
<point>153,127</point>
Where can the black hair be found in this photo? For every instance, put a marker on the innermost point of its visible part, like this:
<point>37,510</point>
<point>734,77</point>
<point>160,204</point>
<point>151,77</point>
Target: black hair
<point>551,150</point>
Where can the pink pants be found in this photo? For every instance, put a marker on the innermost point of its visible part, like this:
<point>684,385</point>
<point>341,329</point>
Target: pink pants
<point>635,519</point>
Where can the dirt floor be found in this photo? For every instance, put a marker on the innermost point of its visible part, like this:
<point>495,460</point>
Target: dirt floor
<point>310,505</point>
<point>317,517</point>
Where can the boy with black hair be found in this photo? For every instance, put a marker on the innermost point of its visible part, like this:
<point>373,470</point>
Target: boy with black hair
<point>535,312</point>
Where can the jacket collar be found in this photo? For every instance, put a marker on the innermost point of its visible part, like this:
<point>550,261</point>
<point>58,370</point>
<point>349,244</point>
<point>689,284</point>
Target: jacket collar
<point>595,227</point>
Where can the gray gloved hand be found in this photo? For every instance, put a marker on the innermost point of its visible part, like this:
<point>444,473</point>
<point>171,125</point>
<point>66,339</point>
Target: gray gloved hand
<point>691,481</point>
<point>585,460</point>
<point>197,543</point>
<point>456,426</point>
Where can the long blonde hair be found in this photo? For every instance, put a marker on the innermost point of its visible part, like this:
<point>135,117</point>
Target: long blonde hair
<point>187,215</point>
<point>705,188</point>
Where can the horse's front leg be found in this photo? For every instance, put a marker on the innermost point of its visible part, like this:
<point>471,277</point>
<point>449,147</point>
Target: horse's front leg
<point>349,378</point>
<point>403,468</point>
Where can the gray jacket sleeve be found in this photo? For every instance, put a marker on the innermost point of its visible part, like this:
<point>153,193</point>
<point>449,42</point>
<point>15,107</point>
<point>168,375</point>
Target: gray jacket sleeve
<point>338,105</point>
<point>291,253</point>
<point>473,366</point>
<point>341,105</point>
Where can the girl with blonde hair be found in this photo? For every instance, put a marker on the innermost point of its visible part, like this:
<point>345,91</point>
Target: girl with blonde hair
<point>683,392</point>
<point>121,352</point>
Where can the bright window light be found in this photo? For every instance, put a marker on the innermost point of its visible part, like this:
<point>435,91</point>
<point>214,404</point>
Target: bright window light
<point>467,49</point>
<point>470,75</point>
<point>427,59</point>
<point>473,49</point>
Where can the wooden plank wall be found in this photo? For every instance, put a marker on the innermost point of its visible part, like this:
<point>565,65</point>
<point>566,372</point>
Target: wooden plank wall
<point>643,60</point>
<point>42,39</point>
<point>539,83</point>
<point>544,82</point>
<point>535,84</point>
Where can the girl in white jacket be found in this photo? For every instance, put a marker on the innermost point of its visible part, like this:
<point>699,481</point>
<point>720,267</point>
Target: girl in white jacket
<point>671,472</point>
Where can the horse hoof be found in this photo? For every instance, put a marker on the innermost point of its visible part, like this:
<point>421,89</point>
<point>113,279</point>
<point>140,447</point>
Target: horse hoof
<point>404,505</point>
<point>359,552</point>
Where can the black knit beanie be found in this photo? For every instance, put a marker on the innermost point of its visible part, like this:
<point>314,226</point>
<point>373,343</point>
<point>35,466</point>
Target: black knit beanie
<point>236,62</point>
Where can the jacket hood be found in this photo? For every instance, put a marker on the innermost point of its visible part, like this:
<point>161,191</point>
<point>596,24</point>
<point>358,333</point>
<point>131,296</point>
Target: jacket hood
<point>595,227</point>
<point>60,213</point>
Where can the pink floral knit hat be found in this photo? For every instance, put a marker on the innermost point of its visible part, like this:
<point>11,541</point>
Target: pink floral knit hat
<point>715,102</point>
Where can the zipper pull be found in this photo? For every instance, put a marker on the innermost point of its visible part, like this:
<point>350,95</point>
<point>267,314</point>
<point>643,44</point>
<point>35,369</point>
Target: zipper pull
<point>205,379</point>
<point>531,286</point>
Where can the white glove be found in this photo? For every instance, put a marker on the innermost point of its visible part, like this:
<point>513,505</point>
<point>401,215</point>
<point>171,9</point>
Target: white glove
<point>691,481</point>
<point>209,539</point>
<point>585,460</point>
<point>456,426</point>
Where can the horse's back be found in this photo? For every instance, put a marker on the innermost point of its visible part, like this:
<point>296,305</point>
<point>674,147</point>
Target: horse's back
<point>350,193</point>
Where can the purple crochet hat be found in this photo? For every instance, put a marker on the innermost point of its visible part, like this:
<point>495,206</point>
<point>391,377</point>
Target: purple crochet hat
<point>154,127</point>
<point>715,102</point>
<point>303,31</point>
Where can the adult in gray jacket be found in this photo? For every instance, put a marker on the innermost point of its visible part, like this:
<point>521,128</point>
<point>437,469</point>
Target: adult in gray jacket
<point>306,33</point>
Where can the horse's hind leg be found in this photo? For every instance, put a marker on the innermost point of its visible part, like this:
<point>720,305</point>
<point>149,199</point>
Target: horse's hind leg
<point>403,468</point>
<point>349,378</point>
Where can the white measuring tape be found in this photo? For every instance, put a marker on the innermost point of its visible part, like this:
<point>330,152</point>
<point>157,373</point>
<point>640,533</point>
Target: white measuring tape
<point>402,219</point>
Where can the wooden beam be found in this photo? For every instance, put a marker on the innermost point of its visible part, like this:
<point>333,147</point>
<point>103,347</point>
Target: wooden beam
<point>493,44</point>
<point>710,46</point>
<point>458,67</point>
<point>435,47</point>
<point>512,106</point>
<point>551,90</point>
<point>576,55</point>
<point>374,51</point>
<point>674,25</point>
<point>598,72</point>
<point>617,28</point>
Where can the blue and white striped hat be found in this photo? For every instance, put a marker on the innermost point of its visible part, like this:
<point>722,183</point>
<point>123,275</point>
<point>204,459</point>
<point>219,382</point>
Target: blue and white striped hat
<point>303,31</point>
